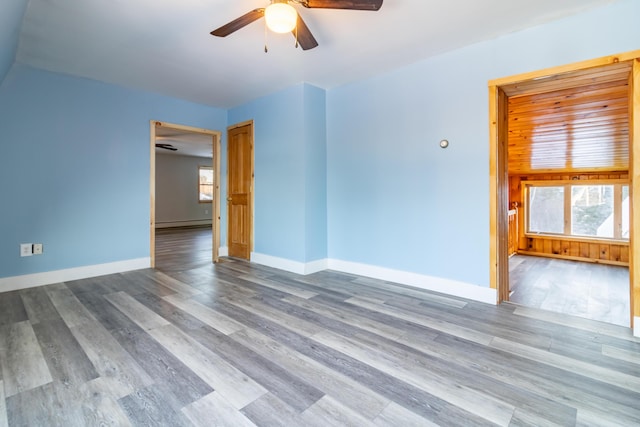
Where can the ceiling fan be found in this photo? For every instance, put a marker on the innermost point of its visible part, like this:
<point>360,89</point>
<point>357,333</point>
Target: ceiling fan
<point>281,17</point>
<point>166,147</point>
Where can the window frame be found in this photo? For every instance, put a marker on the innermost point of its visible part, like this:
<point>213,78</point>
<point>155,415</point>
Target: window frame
<point>618,185</point>
<point>199,184</point>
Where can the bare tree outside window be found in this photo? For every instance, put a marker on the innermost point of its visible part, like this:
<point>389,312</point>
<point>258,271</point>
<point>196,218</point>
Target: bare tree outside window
<point>546,210</point>
<point>591,206</point>
<point>598,211</point>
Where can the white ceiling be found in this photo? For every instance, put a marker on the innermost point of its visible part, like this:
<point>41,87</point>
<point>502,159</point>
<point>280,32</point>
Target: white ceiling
<point>165,47</point>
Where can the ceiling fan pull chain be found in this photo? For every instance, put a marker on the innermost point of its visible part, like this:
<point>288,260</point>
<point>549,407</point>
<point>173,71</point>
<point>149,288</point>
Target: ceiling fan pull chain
<point>296,36</point>
<point>266,49</point>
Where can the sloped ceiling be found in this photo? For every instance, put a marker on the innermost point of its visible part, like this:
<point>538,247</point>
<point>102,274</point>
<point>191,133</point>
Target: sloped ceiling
<point>165,46</point>
<point>11,13</point>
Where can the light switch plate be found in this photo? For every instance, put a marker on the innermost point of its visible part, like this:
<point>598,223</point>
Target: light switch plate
<point>26,249</point>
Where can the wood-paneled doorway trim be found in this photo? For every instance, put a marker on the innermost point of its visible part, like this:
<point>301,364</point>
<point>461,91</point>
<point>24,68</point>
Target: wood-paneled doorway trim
<point>498,175</point>
<point>215,206</point>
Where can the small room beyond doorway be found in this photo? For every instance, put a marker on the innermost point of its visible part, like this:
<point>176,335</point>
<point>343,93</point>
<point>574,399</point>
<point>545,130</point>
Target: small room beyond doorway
<point>568,163</point>
<point>185,196</point>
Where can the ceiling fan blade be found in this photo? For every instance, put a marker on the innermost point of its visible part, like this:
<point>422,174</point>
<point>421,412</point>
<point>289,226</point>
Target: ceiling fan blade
<point>305,38</point>
<point>236,24</point>
<point>167,147</point>
<point>343,4</point>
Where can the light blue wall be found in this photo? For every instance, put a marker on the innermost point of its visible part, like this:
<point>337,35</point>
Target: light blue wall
<point>74,168</point>
<point>279,172</point>
<point>315,129</point>
<point>289,132</point>
<point>11,14</point>
<point>354,174</point>
<point>395,198</point>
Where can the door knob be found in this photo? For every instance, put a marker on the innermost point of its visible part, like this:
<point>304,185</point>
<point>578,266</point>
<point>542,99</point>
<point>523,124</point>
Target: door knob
<point>228,199</point>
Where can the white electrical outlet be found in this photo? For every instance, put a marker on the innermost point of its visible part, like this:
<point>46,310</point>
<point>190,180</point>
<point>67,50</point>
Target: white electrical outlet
<point>37,248</point>
<point>26,249</point>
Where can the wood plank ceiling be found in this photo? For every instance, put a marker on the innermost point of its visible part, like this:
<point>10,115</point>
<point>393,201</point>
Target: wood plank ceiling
<point>571,122</point>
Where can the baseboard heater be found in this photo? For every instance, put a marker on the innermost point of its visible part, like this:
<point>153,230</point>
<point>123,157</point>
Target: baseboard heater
<point>184,223</point>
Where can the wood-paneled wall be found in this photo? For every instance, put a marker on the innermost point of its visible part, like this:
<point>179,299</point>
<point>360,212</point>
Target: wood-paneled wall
<point>606,253</point>
<point>515,188</point>
<point>568,248</point>
<point>513,232</point>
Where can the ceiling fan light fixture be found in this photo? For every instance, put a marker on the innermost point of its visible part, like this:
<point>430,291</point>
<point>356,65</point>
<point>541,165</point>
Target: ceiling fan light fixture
<point>281,17</point>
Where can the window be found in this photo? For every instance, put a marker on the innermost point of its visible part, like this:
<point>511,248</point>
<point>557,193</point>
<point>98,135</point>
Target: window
<point>546,210</point>
<point>590,210</point>
<point>205,184</point>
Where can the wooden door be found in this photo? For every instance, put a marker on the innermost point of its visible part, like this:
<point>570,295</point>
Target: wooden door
<point>239,190</point>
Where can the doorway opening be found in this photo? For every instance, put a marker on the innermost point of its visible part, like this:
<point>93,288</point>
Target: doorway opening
<point>547,157</point>
<point>184,193</point>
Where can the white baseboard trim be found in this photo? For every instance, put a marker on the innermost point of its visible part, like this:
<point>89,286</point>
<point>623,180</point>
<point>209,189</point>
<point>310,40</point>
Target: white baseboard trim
<point>315,266</point>
<point>190,223</point>
<point>223,251</point>
<point>289,265</point>
<point>49,277</point>
<point>279,263</point>
<point>636,326</point>
<point>436,284</point>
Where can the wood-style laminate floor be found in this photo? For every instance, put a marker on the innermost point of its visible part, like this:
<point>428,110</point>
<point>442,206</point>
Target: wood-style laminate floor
<point>238,344</point>
<point>594,291</point>
<point>183,248</point>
